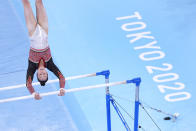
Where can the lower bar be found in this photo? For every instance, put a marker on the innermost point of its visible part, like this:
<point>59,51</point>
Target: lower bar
<point>67,91</point>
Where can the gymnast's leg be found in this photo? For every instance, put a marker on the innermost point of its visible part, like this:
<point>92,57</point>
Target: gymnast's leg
<point>29,17</point>
<point>42,18</point>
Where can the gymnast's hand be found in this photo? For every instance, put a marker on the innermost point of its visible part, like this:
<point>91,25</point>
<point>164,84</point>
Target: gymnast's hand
<point>61,92</point>
<point>36,96</point>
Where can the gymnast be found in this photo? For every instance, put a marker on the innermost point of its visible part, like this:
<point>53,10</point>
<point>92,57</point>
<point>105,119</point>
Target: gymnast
<point>39,55</point>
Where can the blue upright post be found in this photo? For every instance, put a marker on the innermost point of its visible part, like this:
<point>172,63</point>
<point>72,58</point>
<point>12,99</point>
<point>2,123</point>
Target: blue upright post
<point>137,103</point>
<point>108,106</point>
<point>137,82</point>
<point>136,114</point>
<point>106,74</point>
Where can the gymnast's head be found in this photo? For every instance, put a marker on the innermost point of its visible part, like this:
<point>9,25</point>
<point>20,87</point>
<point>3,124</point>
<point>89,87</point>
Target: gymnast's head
<point>42,76</point>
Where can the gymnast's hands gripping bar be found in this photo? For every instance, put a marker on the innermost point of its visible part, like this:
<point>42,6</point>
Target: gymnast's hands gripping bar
<point>136,81</point>
<point>105,73</point>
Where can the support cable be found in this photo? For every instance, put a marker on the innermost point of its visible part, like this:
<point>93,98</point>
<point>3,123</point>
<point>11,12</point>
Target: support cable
<point>127,113</point>
<point>150,117</point>
<point>148,106</point>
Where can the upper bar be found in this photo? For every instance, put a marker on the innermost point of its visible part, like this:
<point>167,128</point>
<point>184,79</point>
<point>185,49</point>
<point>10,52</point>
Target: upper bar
<point>49,81</point>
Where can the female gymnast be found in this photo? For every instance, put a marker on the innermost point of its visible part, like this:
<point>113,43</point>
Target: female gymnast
<point>39,55</point>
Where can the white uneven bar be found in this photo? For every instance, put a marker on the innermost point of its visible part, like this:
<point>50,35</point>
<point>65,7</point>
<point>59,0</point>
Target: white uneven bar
<point>67,91</point>
<point>50,81</point>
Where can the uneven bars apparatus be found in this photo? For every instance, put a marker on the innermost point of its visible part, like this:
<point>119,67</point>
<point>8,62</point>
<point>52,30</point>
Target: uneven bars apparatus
<point>105,73</point>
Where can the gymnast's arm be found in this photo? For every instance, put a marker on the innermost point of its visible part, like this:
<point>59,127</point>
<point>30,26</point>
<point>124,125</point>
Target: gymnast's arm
<point>29,76</point>
<point>53,68</point>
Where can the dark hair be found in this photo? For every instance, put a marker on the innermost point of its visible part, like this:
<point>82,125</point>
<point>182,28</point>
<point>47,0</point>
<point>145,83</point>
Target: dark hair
<point>42,83</point>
